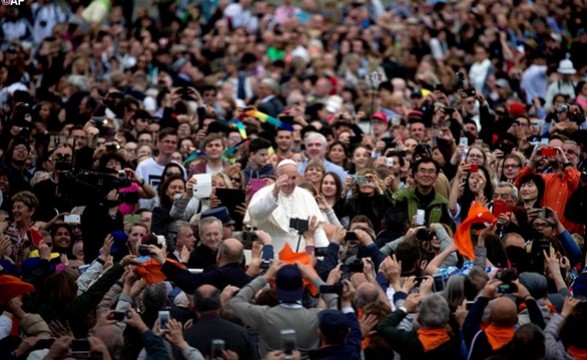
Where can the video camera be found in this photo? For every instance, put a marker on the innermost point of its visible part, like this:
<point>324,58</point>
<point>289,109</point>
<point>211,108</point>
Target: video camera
<point>86,187</point>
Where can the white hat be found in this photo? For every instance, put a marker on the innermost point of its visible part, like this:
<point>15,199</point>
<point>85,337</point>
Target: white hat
<point>287,162</point>
<point>565,67</point>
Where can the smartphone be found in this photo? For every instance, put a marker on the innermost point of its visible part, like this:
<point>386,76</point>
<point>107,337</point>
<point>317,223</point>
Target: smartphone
<point>119,315</point>
<point>438,283</point>
<point>544,244</point>
<point>474,168</point>
<point>79,346</point>
<point>508,288</point>
<point>255,185</point>
<point>288,341</point>
<point>360,180</point>
<point>541,213</point>
<point>132,219</point>
<point>548,152</point>
<point>418,280</point>
<point>203,187</point>
<point>72,219</point>
<point>389,162</point>
<point>351,236</point>
<point>502,207</point>
<point>216,348</point>
<point>420,217</point>
<point>464,141</point>
<point>164,317</point>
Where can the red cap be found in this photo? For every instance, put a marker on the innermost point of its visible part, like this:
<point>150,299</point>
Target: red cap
<point>380,116</point>
<point>517,109</point>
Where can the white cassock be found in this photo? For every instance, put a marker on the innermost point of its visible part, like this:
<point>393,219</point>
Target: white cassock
<point>272,215</point>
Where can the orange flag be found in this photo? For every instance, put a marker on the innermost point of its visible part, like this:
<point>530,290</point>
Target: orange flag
<point>462,238</point>
<point>150,270</point>
<point>288,256</point>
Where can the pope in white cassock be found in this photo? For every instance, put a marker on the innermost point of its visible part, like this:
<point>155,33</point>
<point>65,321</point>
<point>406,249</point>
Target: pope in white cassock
<point>272,207</point>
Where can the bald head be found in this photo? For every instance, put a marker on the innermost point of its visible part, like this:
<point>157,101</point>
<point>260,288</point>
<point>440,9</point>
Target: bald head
<point>230,251</point>
<point>366,293</point>
<point>513,239</point>
<point>206,298</point>
<point>503,312</point>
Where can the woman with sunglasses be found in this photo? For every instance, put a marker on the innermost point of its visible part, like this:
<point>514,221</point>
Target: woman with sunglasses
<point>236,177</point>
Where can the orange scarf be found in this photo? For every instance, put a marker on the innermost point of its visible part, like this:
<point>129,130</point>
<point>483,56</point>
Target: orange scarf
<point>432,338</point>
<point>499,336</point>
<point>150,270</point>
<point>462,238</point>
<point>288,256</point>
<point>577,353</point>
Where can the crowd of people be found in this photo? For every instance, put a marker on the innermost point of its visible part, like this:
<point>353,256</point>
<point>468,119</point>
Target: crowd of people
<point>293,180</point>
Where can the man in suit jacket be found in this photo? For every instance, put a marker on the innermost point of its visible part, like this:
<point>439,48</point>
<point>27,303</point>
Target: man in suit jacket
<point>180,234</point>
<point>211,326</point>
<point>270,104</point>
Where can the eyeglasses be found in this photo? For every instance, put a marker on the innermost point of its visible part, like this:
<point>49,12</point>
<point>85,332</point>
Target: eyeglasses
<point>236,179</point>
<point>541,225</point>
<point>476,156</point>
<point>427,171</point>
<point>21,148</point>
<point>513,166</point>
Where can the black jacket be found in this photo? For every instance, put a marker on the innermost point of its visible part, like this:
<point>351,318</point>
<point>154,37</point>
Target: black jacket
<point>229,274</point>
<point>235,337</point>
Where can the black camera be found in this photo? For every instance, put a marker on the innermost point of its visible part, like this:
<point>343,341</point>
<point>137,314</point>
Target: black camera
<point>89,186</point>
<point>356,266</point>
<point>331,289</point>
<point>424,235</point>
<point>299,224</point>
<point>248,238</point>
<point>351,236</point>
<point>144,250</point>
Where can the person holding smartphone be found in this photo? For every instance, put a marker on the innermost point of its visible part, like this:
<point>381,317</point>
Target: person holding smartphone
<point>472,182</point>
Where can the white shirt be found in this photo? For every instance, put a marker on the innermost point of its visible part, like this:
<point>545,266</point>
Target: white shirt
<point>273,215</point>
